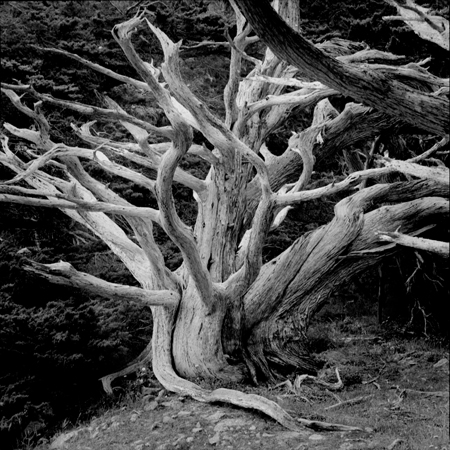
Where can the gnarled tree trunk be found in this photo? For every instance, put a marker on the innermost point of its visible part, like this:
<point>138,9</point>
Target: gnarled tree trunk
<point>223,314</point>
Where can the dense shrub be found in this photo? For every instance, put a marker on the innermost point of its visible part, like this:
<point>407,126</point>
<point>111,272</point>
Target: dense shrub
<point>53,355</point>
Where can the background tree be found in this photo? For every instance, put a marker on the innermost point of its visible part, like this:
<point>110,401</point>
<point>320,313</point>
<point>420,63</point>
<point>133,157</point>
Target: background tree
<point>223,314</point>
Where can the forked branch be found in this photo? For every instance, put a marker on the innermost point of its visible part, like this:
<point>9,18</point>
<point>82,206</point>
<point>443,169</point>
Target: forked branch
<point>181,138</point>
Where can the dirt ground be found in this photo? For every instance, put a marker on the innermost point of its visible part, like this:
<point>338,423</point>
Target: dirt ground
<point>394,389</point>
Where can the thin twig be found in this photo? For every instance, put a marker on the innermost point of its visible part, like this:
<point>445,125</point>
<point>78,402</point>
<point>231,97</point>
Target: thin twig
<point>351,401</point>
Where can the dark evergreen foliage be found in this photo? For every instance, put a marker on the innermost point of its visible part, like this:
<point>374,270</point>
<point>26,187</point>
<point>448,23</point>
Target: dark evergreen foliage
<point>55,343</point>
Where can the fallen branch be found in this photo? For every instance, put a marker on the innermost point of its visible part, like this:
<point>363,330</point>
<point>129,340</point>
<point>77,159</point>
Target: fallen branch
<point>325,426</point>
<point>332,386</point>
<point>290,388</point>
<point>372,380</point>
<point>431,393</point>
<point>351,401</point>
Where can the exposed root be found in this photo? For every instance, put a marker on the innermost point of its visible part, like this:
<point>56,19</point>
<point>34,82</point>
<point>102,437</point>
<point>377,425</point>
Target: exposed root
<point>268,407</point>
<point>144,357</point>
<point>173,383</point>
<point>164,372</point>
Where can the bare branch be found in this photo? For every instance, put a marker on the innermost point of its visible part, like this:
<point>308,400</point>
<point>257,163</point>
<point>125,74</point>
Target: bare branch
<point>331,386</point>
<point>413,72</point>
<point>237,51</point>
<point>95,155</point>
<point>383,248</point>
<point>429,245</point>
<point>131,81</point>
<point>94,111</point>
<point>38,137</point>
<point>250,257</point>
<point>182,140</point>
<point>440,174</point>
<point>296,98</point>
<point>62,201</point>
<point>65,274</point>
<point>134,258</point>
<point>244,55</point>
<point>97,67</point>
<point>371,55</point>
<point>308,159</point>
<point>431,151</point>
<point>287,82</point>
<point>333,188</point>
<point>308,164</point>
<point>351,401</point>
<point>152,151</point>
<point>142,227</point>
<point>205,43</point>
<point>356,123</point>
<point>42,140</point>
<point>216,132</point>
<point>141,136</point>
